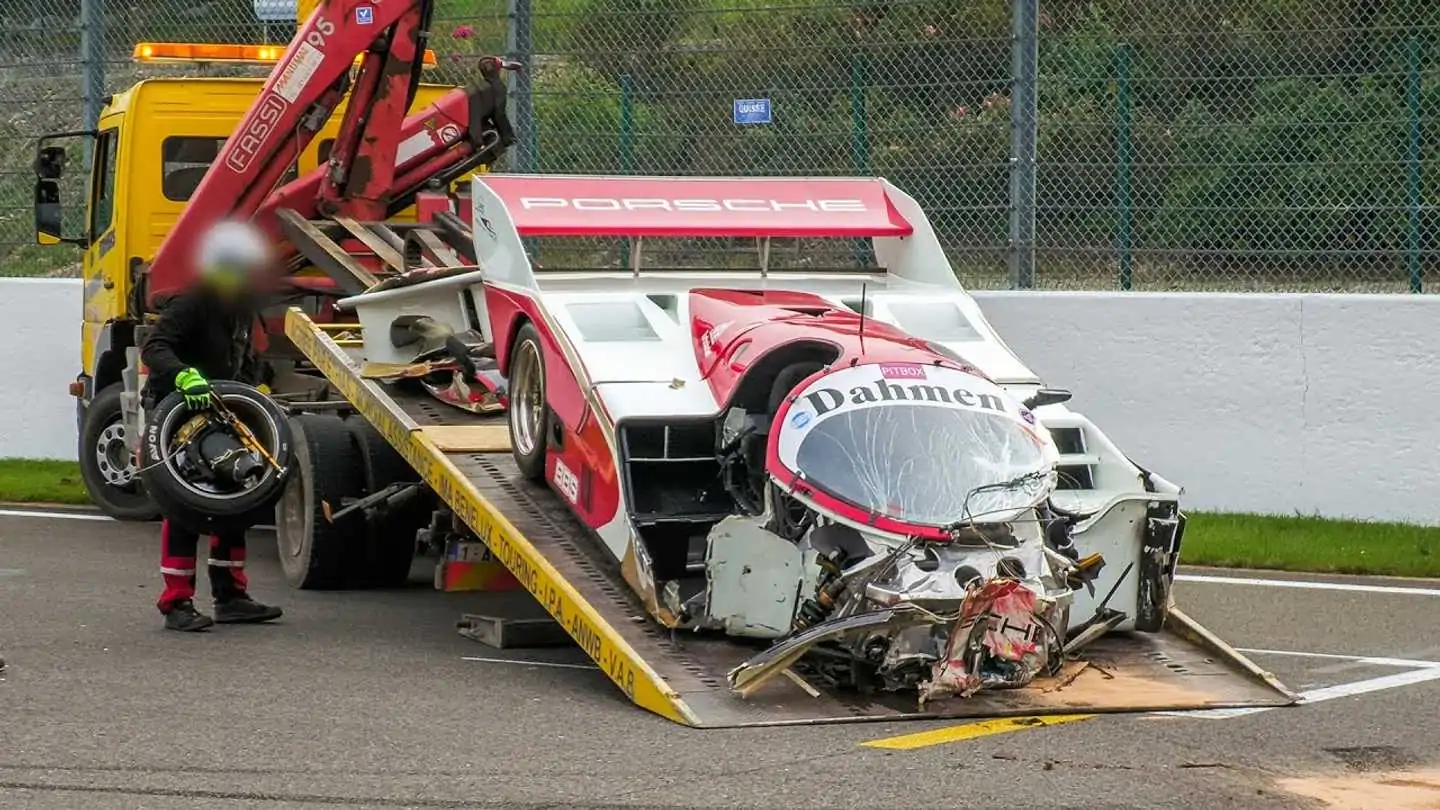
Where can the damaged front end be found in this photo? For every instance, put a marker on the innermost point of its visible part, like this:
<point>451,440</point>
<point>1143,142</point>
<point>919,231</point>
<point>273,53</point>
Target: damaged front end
<point>888,594</point>
<point>945,619</point>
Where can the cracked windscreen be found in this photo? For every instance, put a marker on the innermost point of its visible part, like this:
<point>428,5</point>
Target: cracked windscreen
<point>922,445</point>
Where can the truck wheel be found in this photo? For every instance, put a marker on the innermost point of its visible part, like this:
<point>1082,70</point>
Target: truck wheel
<point>196,504</point>
<point>529,412</point>
<point>315,553</point>
<point>108,469</point>
<point>389,541</point>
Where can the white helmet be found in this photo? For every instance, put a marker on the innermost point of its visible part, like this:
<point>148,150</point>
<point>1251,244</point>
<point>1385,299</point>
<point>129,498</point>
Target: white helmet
<point>233,248</point>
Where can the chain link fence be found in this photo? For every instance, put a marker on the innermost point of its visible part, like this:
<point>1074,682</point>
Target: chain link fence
<point>58,61</point>
<point>1107,144</point>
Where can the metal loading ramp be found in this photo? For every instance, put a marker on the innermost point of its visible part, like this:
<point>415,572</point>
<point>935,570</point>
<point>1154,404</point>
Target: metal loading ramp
<point>681,675</point>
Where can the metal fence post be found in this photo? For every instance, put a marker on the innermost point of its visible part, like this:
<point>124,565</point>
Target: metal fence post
<point>627,124</point>
<point>1123,161</point>
<point>92,57</point>
<point>859,138</point>
<point>627,145</point>
<point>1024,55</point>
<point>1413,199</point>
<point>520,44</point>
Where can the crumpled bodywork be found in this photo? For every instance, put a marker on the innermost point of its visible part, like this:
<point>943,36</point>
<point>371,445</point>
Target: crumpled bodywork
<point>475,385</point>
<point>898,627</point>
<point>1004,638</point>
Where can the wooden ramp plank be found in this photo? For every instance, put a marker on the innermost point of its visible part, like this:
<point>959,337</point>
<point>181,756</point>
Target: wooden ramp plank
<point>470,438</point>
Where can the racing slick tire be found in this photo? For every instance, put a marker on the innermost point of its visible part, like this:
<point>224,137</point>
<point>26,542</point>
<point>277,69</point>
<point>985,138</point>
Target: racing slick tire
<point>529,414</point>
<point>788,379</point>
<point>194,507</point>
<point>389,540</point>
<point>317,553</point>
<point>108,469</point>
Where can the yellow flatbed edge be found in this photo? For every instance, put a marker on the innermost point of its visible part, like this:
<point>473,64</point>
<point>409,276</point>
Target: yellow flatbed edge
<point>595,636</point>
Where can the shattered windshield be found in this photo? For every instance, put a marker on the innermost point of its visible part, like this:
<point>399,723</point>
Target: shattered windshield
<point>923,445</point>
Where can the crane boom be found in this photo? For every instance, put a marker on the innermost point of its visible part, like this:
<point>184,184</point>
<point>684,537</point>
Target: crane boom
<point>380,157</point>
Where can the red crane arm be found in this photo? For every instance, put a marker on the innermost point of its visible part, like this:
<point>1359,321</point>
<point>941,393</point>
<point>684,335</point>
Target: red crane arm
<point>380,157</point>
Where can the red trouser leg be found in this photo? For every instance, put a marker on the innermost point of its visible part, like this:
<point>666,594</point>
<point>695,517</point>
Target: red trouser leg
<point>177,564</point>
<point>227,566</point>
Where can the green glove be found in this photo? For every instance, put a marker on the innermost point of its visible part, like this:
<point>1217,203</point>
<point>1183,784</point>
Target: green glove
<point>195,387</point>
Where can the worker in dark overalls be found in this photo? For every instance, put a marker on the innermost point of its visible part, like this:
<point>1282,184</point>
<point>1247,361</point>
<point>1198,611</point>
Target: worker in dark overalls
<point>204,334</point>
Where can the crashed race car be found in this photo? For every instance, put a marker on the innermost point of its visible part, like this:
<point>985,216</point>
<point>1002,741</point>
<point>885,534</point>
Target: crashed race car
<point>843,470</point>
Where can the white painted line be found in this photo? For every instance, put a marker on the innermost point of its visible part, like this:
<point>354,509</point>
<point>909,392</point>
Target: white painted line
<point>1307,585</point>
<point>552,664</point>
<point>51,515</point>
<point>1325,693</point>
<point>1359,659</point>
<point>34,513</point>
<point>1414,676</point>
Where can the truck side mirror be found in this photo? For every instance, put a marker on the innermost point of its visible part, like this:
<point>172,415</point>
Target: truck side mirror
<point>1047,396</point>
<point>49,217</point>
<point>49,212</point>
<point>50,162</point>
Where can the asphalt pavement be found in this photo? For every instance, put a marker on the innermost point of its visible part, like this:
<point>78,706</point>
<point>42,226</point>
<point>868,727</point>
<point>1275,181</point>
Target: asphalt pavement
<point>372,700</point>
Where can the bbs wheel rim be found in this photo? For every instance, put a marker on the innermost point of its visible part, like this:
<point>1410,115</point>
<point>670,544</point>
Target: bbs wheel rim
<point>527,399</point>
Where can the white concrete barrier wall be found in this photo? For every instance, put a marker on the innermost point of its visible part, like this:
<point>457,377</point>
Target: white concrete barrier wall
<point>1317,404</point>
<point>40,321</point>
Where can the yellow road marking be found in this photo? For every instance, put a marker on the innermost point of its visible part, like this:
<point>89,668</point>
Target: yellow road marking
<point>970,731</point>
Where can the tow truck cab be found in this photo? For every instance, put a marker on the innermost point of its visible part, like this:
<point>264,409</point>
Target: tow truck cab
<point>153,144</point>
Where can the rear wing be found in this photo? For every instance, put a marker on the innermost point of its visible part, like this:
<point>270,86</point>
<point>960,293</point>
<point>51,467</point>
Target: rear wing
<point>507,207</point>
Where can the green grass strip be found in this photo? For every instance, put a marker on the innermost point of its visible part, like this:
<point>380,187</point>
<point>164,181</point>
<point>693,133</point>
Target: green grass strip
<point>33,481</point>
<point>1312,544</point>
<point>1278,542</point>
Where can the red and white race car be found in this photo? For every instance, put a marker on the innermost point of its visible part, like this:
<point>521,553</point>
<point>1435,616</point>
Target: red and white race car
<point>847,462</point>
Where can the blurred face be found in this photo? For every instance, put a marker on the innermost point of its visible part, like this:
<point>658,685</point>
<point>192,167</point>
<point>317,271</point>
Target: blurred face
<point>229,283</point>
<point>232,260</point>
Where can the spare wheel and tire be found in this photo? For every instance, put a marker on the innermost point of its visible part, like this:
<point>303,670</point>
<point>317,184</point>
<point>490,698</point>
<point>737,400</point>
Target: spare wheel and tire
<point>107,467</point>
<point>206,507</point>
<point>315,552</point>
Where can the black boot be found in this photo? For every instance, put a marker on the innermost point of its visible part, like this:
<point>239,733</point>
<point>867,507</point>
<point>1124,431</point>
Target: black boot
<point>184,617</point>
<point>244,610</point>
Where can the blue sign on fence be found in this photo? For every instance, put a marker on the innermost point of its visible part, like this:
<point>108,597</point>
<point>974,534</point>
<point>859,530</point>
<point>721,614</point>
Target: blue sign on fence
<point>752,110</point>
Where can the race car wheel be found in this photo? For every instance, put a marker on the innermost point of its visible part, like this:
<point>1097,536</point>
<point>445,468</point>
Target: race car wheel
<point>529,412</point>
<point>389,540</point>
<point>204,506</point>
<point>108,469</point>
<point>787,380</point>
<point>317,553</point>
